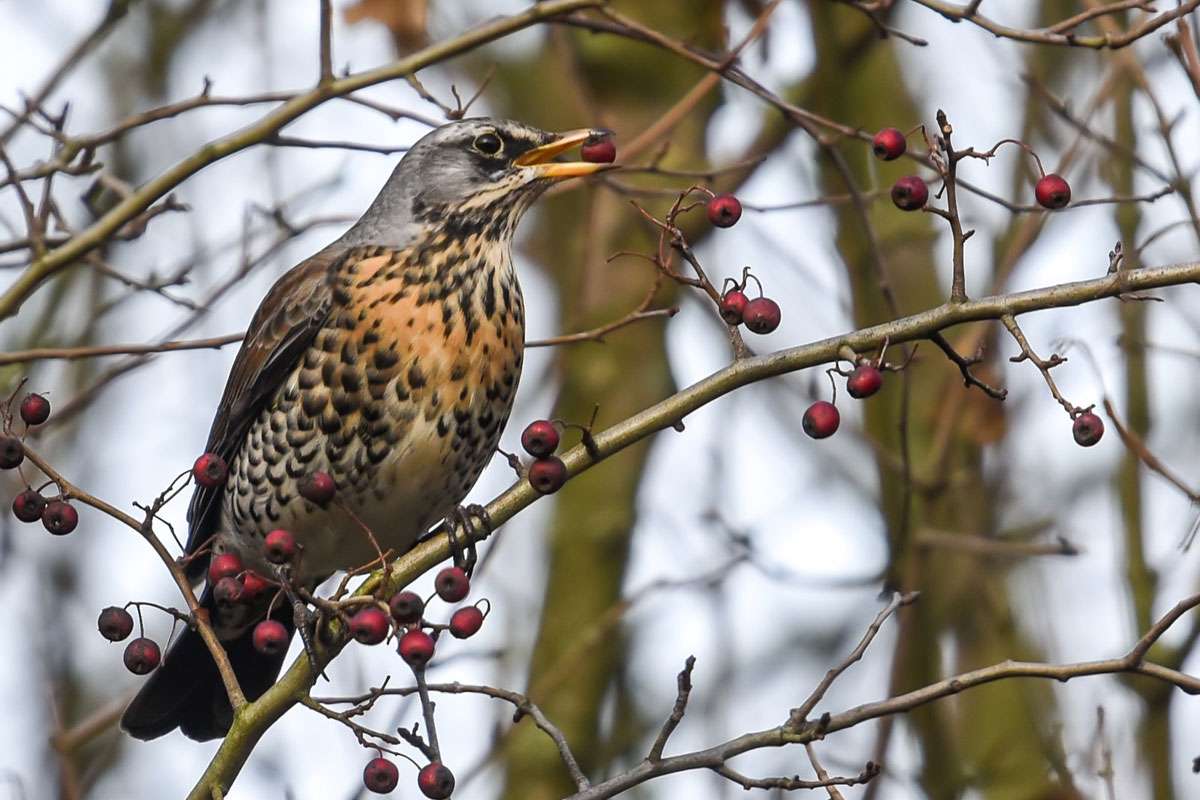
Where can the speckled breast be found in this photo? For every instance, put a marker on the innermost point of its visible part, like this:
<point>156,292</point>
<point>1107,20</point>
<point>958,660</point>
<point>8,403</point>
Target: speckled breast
<point>401,397</point>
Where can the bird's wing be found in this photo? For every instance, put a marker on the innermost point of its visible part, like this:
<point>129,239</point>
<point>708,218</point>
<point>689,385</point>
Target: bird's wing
<point>282,329</point>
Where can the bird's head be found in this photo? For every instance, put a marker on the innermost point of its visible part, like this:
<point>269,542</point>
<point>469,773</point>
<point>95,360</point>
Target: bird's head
<point>477,169</point>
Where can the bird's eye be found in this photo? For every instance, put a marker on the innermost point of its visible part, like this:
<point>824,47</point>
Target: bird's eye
<point>488,143</point>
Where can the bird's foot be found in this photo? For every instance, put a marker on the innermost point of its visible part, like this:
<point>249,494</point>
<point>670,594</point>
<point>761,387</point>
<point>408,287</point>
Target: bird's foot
<point>304,618</point>
<point>476,525</point>
<point>306,625</point>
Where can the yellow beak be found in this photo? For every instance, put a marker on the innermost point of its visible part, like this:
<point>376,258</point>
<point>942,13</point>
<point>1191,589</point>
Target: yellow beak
<point>538,159</point>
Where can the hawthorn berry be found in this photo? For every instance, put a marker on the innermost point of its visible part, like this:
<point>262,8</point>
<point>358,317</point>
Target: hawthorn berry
<point>889,144</point>
<point>224,565</point>
<point>253,585</point>
<point>210,471</point>
<point>600,150</point>
<point>1052,191</point>
<point>59,517</point>
<point>279,546</point>
<point>540,438</point>
<point>406,607</point>
<point>380,776</point>
<point>761,315</point>
<point>11,452</point>
<point>228,591</point>
<point>416,648</point>
<point>435,781</point>
<point>317,487</point>
<point>466,622</point>
<point>142,655</point>
<point>270,637</point>
<point>821,420</point>
<point>35,409</point>
<point>864,381</point>
<point>547,475</point>
<point>115,624</point>
<point>1087,429</point>
<point>28,506</point>
<point>733,306</point>
<point>369,625</point>
<point>724,210</point>
<point>910,193</point>
<point>452,584</point>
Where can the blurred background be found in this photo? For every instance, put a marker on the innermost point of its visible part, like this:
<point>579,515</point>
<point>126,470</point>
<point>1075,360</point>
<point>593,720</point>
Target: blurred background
<point>741,541</point>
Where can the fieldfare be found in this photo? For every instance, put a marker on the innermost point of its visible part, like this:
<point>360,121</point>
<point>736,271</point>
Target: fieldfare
<point>388,360</point>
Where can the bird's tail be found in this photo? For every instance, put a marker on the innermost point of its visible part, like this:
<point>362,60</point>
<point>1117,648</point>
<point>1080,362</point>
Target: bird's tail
<point>186,691</point>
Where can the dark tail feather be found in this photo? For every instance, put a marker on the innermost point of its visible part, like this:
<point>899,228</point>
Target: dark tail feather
<point>186,691</point>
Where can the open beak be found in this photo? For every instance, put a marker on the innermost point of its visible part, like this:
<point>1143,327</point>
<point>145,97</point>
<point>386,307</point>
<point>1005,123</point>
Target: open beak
<point>539,158</point>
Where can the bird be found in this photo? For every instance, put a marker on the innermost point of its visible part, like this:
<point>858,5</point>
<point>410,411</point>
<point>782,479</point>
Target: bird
<point>388,360</point>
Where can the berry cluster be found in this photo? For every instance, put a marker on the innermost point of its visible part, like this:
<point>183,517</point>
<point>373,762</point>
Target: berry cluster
<point>760,315</point>
<point>142,655</point>
<point>406,613</point>
<point>57,515</point>
<point>911,193</point>
<point>822,418</point>
<point>547,473</point>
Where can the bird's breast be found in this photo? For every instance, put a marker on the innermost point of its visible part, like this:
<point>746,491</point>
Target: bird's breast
<point>401,398</point>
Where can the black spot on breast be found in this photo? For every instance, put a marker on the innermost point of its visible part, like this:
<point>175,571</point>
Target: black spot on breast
<point>385,358</point>
<point>416,378</point>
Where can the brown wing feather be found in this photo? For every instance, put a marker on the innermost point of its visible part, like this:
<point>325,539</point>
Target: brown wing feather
<point>281,330</point>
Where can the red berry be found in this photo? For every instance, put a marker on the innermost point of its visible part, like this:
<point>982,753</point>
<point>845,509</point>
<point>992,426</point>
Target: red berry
<point>416,647</point>
<point>279,546</point>
<point>821,420</point>
<point>270,637</point>
<point>115,624</point>
<point>380,776</point>
<point>1088,429</point>
<point>762,315</point>
<point>864,381</point>
<point>11,452</point>
<point>210,471</point>
<point>889,144</point>
<point>35,409</point>
<point>228,591</point>
<point>224,565</point>
<point>601,150</point>
<point>540,438</point>
<point>466,622</point>
<point>28,506</point>
<point>1052,191</point>
<point>317,487</point>
<point>253,585</point>
<point>369,626</point>
<point>406,607</point>
<point>142,655</point>
<point>724,210</point>
<point>733,306</point>
<point>909,193</point>
<point>452,584</point>
<point>547,475</point>
<point>436,781</point>
<point>59,517</point>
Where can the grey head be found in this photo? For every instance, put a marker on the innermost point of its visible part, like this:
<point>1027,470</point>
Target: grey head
<point>467,167</point>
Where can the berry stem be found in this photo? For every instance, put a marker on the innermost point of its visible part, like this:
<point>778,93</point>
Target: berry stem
<point>958,284</point>
<point>1044,365</point>
<point>427,706</point>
